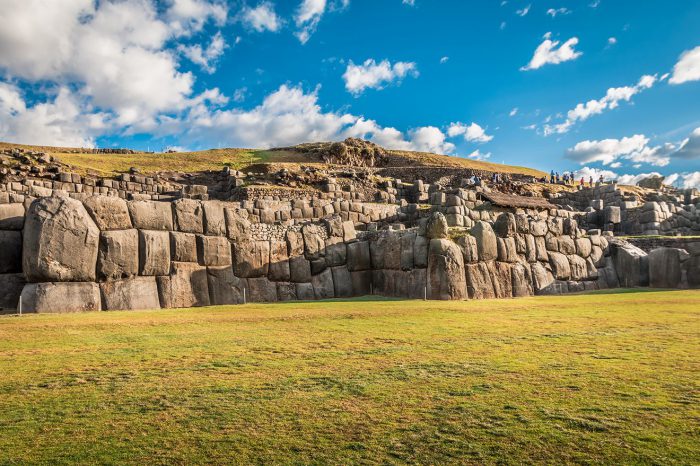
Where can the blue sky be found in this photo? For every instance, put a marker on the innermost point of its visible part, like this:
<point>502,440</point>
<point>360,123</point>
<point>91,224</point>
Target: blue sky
<point>609,86</point>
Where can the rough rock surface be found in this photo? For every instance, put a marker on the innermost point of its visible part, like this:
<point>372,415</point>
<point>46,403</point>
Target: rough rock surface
<point>446,276</point>
<point>61,297</point>
<point>130,294</point>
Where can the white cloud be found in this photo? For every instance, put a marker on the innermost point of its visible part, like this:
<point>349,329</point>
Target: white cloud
<point>307,18</point>
<point>612,41</point>
<point>472,132</point>
<point>548,53</point>
<point>610,101</point>
<point>634,148</point>
<point>261,18</point>
<point>594,4</point>
<point>513,112</point>
<point>690,147</point>
<point>207,57</point>
<point>444,60</point>
<point>553,12</point>
<point>409,2</point>
<point>188,16</point>
<point>683,180</point>
<point>687,68</point>
<point>61,121</point>
<point>523,11</point>
<point>588,172</point>
<point>376,75</point>
<point>690,180</point>
<point>478,155</point>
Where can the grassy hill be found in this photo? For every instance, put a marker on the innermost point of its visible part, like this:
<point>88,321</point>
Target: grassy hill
<point>604,378</point>
<point>216,159</point>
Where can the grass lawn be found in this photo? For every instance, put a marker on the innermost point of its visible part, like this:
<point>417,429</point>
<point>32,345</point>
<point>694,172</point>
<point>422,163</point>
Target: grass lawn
<point>605,377</point>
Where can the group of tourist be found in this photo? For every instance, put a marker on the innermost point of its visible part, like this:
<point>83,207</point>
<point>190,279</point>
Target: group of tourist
<point>568,178</point>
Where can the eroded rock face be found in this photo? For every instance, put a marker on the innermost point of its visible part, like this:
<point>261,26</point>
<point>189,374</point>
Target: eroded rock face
<point>485,241</point>
<point>446,279</point>
<point>108,212</point>
<point>631,264</point>
<point>130,294</point>
<point>437,227</point>
<point>61,297</point>
<point>118,256</point>
<point>61,242</point>
<point>186,286</point>
<point>666,267</point>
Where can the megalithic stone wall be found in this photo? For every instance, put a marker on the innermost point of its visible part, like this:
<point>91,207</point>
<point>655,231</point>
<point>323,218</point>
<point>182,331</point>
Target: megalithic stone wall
<point>105,253</point>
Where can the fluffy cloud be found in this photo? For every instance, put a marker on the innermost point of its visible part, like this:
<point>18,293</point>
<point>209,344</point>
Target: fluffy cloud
<point>478,155</point>
<point>690,147</point>
<point>687,68</point>
<point>290,116</point>
<point>261,18</point>
<point>472,132</point>
<point>682,180</point>
<point>409,2</point>
<point>376,75</point>
<point>610,101</point>
<point>548,53</point>
<point>188,16</point>
<point>205,57</point>
<point>307,18</point>
<point>523,11</point>
<point>634,148</point>
<point>62,121</point>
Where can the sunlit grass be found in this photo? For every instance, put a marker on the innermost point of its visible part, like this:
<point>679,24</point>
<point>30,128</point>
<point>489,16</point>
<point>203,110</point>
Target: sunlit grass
<point>589,378</point>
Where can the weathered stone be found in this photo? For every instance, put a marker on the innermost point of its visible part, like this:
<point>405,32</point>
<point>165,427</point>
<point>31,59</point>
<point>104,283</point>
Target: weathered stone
<point>323,285</point>
<point>10,251</point>
<point>305,292</point>
<point>470,251</point>
<point>261,290</point>
<point>286,291</point>
<point>501,276</point>
<point>522,223</point>
<point>420,251</point>
<point>505,225</point>
<point>665,269</point>
<point>538,228</point>
<point>479,283</point>
<point>349,233</point>
<point>566,245</point>
<point>407,251</point>
<point>60,241</point>
<point>358,256</point>
<point>61,297</point>
<point>251,259</point>
<point>612,214</point>
<point>314,243</point>
<point>154,252</point>
<point>183,246</point>
<point>189,216</point>
<point>318,266</point>
<point>578,267</point>
<point>279,262</point>
<point>342,282</point>
<point>213,251</point>
<point>521,280</point>
<point>11,216</point>
<point>542,279</point>
<point>11,285</point>
<point>361,282</point>
<point>224,286</point>
<point>445,279</point>
<point>555,225</point>
<point>130,294</point>
<point>118,255</point>
<point>300,269</point>
<point>530,248</point>
<point>507,250</point>
<point>560,266</point>
<point>631,264</point>
<point>437,226</point>
<point>485,241</point>
<point>295,243</point>
<point>214,218</point>
<point>336,251</point>
<point>392,251</point>
<point>151,215</point>
<point>583,247</point>
<point>334,226</point>
<point>186,286</point>
<point>237,225</point>
<point>108,212</point>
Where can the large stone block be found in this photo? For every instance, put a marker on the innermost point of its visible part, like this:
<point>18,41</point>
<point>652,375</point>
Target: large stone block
<point>261,290</point>
<point>154,253</point>
<point>151,215</point>
<point>213,251</point>
<point>361,282</point>
<point>189,216</point>
<point>251,259</point>
<point>279,270</point>
<point>323,285</point>
<point>420,251</point>
<point>224,286</point>
<point>60,241</point>
<point>358,256</point>
<point>560,266</point>
<point>237,225</point>
<point>61,297</point>
<point>11,285</point>
<point>214,218</point>
<point>109,212</point>
<point>118,256</point>
<point>485,241</point>
<point>342,282</point>
<point>286,291</point>
<point>305,292</point>
<point>583,247</point>
<point>505,226</point>
<point>437,226</point>
<point>566,245</point>
<point>299,269</point>
<point>314,241</point>
<point>507,250</point>
<point>446,276</point>
<point>186,286</point>
<point>522,281</point>
<point>407,250</point>
<point>392,251</point>
<point>479,284</point>
<point>183,246</point>
<point>542,278</point>
<point>336,251</point>
<point>579,268</point>
<point>10,251</point>
<point>665,268</point>
<point>631,264</point>
<point>130,294</point>
<point>11,216</point>
<point>502,278</point>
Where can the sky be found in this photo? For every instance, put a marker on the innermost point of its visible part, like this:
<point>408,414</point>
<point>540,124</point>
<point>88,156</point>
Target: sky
<point>596,87</point>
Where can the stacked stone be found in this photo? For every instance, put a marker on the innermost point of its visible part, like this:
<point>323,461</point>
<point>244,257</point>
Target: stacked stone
<point>11,225</point>
<point>657,218</point>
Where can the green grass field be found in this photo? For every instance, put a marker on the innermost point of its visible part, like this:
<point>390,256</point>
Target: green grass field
<point>600,378</point>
